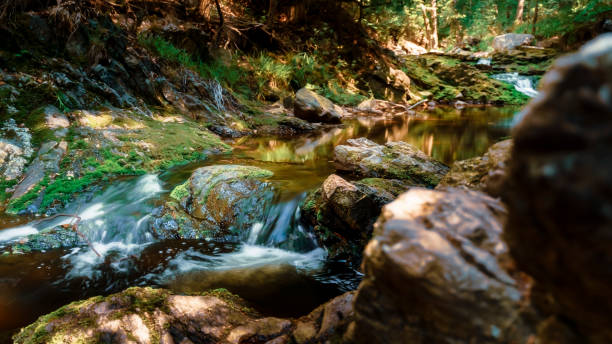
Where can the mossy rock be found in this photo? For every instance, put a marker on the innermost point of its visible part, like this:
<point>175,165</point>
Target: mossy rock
<point>343,213</point>
<point>229,199</point>
<point>394,160</point>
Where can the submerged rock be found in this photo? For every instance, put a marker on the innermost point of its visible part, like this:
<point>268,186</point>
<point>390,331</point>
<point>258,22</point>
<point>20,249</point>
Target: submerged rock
<point>312,107</point>
<point>559,192</point>
<point>484,173</point>
<point>436,272</point>
<point>146,315</point>
<point>285,125</point>
<point>343,213</point>
<point>50,239</point>
<point>394,160</point>
<point>219,201</point>
<point>510,41</point>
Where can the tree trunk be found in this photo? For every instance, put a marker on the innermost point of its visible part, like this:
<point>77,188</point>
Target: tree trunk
<point>434,21</point>
<point>221,22</point>
<point>427,27</point>
<point>271,11</point>
<point>519,12</point>
<point>217,37</point>
<point>535,17</point>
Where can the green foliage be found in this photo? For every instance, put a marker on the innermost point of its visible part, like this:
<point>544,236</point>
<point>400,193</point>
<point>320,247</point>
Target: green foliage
<point>340,95</point>
<point>306,68</point>
<point>227,75</point>
<point>5,184</point>
<point>19,204</point>
<point>270,72</point>
<point>61,102</point>
<point>483,19</point>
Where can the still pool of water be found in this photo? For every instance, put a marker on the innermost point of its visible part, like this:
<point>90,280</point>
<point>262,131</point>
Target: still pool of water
<point>278,268</point>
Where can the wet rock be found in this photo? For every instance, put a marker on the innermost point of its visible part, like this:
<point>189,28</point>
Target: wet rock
<point>381,107</point>
<point>559,190</point>
<point>50,239</point>
<point>510,41</point>
<point>327,323</point>
<point>220,201</point>
<point>296,124</point>
<point>287,126</point>
<point>525,60</point>
<point>171,221</point>
<point>15,149</point>
<point>607,25</point>
<point>485,173</point>
<point>343,213</point>
<point>435,272</point>
<point>390,83</point>
<point>146,315</point>
<point>394,160</point>
<point>46,162</point>
<point>312,107</point>
<point>225,131</point>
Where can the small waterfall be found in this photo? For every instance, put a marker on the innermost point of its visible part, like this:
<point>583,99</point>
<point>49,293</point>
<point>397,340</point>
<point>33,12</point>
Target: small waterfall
<point>282,228</point>
<point>521,83</point>
<point>484,62</point>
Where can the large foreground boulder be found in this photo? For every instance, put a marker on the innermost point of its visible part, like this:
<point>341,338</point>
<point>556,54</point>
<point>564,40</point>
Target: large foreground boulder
<point>343,213</point>
<point>146,315</point>
<point>559,192</point>
<point>436,271</point>
<point>394,160</point>
<point>484,173</point>
<point>219,201</point>
<point>312,107</point>
<point>509,41</point>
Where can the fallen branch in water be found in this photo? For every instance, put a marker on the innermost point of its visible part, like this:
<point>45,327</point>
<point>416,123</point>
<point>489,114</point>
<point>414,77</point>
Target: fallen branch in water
<point>74,227</point>
<point>416,104</point>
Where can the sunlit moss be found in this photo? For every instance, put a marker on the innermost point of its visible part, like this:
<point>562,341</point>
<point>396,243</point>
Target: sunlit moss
<point>180,191</point>
<point>168,144</point>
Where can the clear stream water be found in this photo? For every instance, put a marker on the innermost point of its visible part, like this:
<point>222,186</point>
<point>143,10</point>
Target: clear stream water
<point>278,268</point>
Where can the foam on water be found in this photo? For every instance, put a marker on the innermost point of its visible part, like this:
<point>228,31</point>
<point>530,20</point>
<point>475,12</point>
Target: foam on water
<point>17,232</point>
<point>247,256</point>
<point>106,217</point>
<point>84,262</point>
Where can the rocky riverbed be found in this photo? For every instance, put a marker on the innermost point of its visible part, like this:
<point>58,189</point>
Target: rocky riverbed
<point>148,197</point>
<point>447,265</point>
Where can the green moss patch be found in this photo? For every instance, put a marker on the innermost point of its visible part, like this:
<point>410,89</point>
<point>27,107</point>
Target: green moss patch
<point>167,144</point>
<point>180,192</point>
<point>446,79</point>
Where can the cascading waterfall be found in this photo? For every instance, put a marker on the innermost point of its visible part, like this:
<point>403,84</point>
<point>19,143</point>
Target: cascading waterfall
<point>521,83</point>
<point>280,240</point>
<point>116,223</point>
<point>116,215</point>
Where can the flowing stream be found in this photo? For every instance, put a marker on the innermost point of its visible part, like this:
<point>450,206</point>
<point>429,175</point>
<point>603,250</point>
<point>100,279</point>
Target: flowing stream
<point>278,268</point>
<point>521,83</point>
